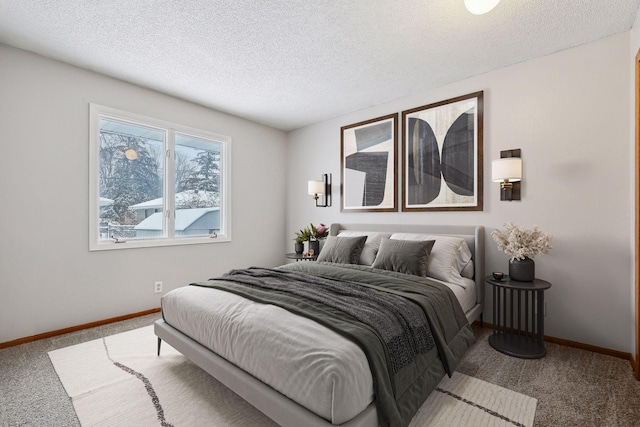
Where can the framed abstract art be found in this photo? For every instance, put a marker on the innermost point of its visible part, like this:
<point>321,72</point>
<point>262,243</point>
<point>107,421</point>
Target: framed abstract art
<point>369,165</point>
<point>442,155</point>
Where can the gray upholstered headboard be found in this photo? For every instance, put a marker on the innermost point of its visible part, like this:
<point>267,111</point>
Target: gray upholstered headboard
<point>472,234</point>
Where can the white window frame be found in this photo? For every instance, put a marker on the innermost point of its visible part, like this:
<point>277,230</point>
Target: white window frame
<point>95,244</point>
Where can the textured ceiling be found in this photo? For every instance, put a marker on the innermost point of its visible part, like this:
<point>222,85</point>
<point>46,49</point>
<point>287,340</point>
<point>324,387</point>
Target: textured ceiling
<point>290,63</point>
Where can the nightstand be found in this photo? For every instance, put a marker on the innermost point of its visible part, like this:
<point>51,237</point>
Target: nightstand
<point>300,257</point>
<point>518,317</point>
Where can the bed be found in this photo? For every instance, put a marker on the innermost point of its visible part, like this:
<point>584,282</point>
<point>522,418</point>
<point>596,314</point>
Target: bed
<point>291,387</point>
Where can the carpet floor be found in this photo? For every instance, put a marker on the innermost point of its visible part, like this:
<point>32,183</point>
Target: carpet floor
<point>573,387</point>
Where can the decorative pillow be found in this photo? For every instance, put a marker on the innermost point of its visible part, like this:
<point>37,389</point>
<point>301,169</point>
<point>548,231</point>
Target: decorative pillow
<point>450,257</point>
<point>371,246</point>
<point>343,250</point>
<point>404,256</point>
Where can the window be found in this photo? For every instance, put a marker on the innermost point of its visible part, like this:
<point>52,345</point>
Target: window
<point>155,183</point>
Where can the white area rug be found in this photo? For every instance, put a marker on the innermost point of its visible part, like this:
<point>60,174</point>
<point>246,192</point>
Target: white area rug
<point>119,381</point>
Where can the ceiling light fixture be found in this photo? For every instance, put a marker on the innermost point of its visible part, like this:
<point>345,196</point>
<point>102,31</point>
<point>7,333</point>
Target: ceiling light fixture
<point>480,7</point>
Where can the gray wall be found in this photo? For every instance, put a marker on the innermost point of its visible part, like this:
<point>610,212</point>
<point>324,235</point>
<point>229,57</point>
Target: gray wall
<point>569,113</point>
<point>48,278</point>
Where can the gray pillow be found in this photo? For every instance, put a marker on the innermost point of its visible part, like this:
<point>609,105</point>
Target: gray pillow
<point>342,250</point>
<point>371,246</point>
<point>404,256</point>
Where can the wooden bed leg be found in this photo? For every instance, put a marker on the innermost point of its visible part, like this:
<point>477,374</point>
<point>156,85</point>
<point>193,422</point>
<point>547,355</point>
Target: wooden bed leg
<point>481,325</point>
<point>159,343</point>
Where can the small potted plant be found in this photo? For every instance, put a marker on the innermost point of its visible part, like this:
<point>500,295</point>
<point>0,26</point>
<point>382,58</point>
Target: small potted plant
<point>522,245</point>
<point>301,236</point>
<point>312,234</point>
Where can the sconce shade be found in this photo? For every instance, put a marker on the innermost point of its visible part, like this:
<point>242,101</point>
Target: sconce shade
<point>509,168</point>
<point>315,187</point>
<point>480,7</point>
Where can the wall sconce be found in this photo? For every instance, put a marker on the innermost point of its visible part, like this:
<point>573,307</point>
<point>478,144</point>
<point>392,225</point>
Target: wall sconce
<point>508,172</point>
<point>319,189</point>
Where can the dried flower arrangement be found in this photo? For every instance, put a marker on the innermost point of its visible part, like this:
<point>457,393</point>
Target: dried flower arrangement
<point>520,243</point>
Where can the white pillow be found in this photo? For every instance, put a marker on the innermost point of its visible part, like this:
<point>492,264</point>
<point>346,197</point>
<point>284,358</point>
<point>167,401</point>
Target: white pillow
<point>449,258</point>
<point>371,246</point>
<point>465,254</point>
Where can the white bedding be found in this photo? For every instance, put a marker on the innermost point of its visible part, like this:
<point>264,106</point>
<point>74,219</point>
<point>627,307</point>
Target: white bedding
<point>466,296</point>
<point>325,372</point>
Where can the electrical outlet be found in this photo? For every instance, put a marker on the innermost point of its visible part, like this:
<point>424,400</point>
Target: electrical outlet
<point>158,288</point>
<point>544,309</point>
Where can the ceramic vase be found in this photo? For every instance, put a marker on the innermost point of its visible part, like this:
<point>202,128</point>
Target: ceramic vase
<point>315,245</point>
<point>522,270</point>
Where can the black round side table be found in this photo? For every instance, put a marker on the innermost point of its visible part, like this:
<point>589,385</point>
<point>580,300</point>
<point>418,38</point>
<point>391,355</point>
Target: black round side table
<point>300,257</point>
<point>518,317</point>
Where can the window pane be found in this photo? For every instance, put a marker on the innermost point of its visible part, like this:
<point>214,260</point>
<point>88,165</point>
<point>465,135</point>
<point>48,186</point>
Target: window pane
<point>197,186</point>
<point>131,180</point>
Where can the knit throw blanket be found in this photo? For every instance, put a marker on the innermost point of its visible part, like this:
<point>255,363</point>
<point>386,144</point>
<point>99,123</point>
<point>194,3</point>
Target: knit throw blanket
<point>401,324</point>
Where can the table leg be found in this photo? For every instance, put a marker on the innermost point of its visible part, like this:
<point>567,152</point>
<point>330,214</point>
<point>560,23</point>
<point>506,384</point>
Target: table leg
<point>495,309</point>
<point>540,317</point>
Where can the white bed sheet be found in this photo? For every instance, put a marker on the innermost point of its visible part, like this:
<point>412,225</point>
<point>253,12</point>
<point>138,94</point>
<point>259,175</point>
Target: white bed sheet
<point>325,372</point>
<point>466,296</point>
